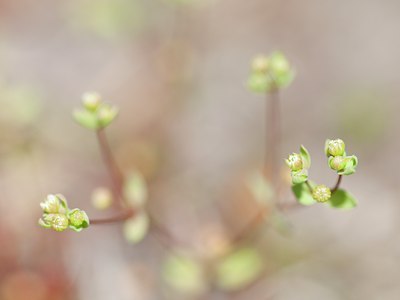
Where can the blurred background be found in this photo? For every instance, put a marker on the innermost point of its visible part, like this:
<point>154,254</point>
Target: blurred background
<point>177,69</point>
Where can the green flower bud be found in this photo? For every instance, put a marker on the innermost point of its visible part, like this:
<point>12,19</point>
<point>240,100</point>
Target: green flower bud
<point>335,147</point>
<point>295,162</point>
<point>321,193</point>
<point>279,65</point>
<point>54,204</point>
<point>91,101</point>
<point>58,222</point>
<point>260,64</point>
<point>337,163</point>
<point>106,114</point>
<point>78,219</point>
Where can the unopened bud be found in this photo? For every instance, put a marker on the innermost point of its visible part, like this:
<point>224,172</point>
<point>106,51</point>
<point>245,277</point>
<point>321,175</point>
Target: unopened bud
<point>335,147</point>
<point>91,100</point>
<point>295,162</point>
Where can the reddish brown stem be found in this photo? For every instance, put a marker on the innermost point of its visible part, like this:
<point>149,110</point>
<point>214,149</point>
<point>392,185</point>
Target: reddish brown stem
<point>122,216</point>
<point>336,187</point>
<point>116,176</point>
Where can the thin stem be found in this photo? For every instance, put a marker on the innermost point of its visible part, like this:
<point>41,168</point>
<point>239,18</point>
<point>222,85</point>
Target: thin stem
<point>112,167</point>
<point>336,187</point>
<point>309,186</point>
<point>122,216</point>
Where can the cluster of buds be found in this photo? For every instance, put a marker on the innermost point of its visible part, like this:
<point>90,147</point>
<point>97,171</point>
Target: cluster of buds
<point>95,114</point>
<point>57,215</point>
<point>269,73</point>
<point>337,158</point>
<point>299,163</point>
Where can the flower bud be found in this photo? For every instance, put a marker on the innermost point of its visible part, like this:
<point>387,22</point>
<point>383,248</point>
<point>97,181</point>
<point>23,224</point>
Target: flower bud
<point>58,222</point>
<point>321,193</point>
<point>54,204</point>
<point>78,219</point>
<point>91,100</point>
<point>295,162</point>
<point>260,64</point>
<point>337,163</point>
<point>279,64</point>
<point>106,114</point>
<point>335,147</point>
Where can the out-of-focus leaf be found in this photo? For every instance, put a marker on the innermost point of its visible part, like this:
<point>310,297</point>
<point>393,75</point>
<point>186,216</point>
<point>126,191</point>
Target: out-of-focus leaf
<point>136,228</point>
<point>343,200</point>
<point>306,157</point>
<point>135,189</point>
<point>86,119</point>
<point>239,269</point>
<point>303,194</point>
<point>260,188</point>
<point>184,274</point>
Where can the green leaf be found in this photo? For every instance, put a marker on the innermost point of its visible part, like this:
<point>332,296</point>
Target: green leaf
<point>135,189</point>
<point>299,176</point>
<point>305,155</point>
<point>86,119</point>
<point>184,274</point>
<point>341,199</point>
<point>239,269</point>
<point>136,228</point>
<point>303,194</point>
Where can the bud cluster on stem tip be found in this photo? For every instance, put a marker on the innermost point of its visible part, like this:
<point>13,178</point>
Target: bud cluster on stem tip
<point>337,158</point>
<point>57,215</point>
<point>269,73</point>
<point>95,113</point>
<point>295,162</point>
<point>321,193</point>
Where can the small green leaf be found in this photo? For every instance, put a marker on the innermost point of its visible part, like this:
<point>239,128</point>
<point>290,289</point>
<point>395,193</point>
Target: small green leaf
<point>86,119</point>
<point>239,269</point>
<point>305,155</point>
<point>299,176</point>
<point>135,189</point>
<point>303,194</point>
<point>136,228</point>
<point>341,199</point>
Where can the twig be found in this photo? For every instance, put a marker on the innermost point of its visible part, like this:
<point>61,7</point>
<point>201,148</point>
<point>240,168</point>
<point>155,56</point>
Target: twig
<point>336,187</point>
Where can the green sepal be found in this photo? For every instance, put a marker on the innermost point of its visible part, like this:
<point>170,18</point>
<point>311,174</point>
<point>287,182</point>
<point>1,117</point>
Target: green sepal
<point>42,223</point>
<point>86,118</point>
<point>306,157</point>
<point>299,177</point>
<point>351,164</point>
<point>303,194</point>
<point>342,199</point>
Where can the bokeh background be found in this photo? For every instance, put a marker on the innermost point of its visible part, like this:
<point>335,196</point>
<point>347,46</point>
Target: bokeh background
<point>177,70</point>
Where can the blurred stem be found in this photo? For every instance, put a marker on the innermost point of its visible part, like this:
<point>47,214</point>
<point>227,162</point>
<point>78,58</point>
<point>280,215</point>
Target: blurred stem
<point>116,176</point>
<point>336,187</point>
<point>122,216</point>
<point>273,138</point>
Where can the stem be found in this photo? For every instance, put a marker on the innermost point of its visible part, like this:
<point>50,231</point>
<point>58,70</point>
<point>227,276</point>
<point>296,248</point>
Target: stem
<point>273,137</point>
<point>122,216</point>
<point>309,186</point>
<point>336,187</point>
<point>112,167</point>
